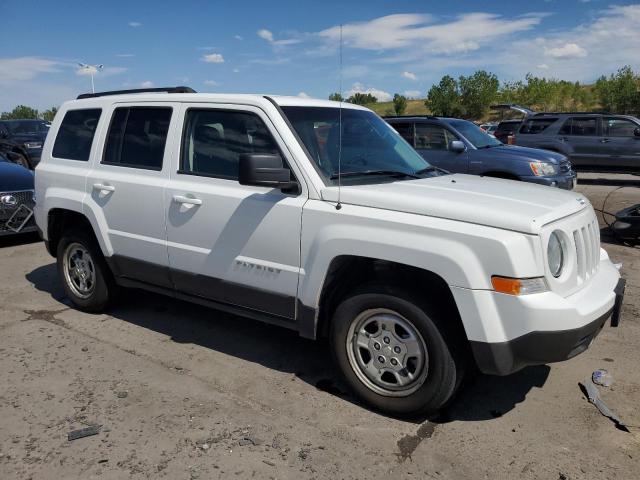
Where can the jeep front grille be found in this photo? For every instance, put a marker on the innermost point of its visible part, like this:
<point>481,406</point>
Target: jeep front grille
<point>587,241</point>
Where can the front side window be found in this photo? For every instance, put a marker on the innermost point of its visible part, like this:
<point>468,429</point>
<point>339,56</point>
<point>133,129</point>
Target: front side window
<point>366,144</point>
<point>137,137</point>
<point>432,137</point>
<point>75,135</point>
<point>618,127</point>
<point>213,141</point>
<point>580,126</point>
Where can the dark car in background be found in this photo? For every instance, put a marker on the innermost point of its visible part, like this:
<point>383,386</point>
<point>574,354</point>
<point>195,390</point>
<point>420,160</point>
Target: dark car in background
<point>16,198</point>
<point>506,130</point>
<point>460,146</point>
<point>28,134</point>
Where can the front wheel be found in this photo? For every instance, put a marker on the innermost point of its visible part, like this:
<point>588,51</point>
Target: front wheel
<point>392,352</point>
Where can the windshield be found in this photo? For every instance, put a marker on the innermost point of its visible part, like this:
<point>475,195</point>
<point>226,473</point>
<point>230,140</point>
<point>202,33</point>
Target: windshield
<point>17,127</point>
<point>369,145</point>
<point>474,134</point>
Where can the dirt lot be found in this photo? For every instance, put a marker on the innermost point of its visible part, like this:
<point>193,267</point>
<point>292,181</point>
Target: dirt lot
<point>184,392</point>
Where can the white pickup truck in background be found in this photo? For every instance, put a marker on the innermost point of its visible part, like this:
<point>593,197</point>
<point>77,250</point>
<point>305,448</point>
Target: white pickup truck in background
<point>318,216</point>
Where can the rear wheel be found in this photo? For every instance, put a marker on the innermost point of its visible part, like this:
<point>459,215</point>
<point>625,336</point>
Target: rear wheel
<point>392,353</point>
<point>84,273</point>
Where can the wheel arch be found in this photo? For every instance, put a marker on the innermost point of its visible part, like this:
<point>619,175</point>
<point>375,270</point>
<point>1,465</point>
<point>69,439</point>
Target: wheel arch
<point>61,219</point>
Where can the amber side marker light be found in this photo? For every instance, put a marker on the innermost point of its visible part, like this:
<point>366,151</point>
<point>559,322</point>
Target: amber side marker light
<point>518,286</point>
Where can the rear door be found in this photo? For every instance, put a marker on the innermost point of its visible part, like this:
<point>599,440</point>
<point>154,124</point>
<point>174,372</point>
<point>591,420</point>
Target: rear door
<point>234,244</point>
<point>582,135</point>
<point>125,189</point>
<point>620,144</point>
<point>433,141</point>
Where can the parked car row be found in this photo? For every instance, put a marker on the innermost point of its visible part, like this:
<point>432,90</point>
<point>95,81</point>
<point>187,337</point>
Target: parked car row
<point>593,142</point>
<point>22,140</point>
<point>317,216</point>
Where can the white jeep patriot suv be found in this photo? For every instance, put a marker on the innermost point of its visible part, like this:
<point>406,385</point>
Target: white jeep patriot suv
<point>319,217</point>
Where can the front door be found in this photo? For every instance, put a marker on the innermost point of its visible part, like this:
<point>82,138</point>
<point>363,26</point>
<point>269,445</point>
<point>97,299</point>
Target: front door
<point>125,189</point>
<point>620,144</point>
<point>234,244</point>
<point>583,137</point>
<point>433,143</point>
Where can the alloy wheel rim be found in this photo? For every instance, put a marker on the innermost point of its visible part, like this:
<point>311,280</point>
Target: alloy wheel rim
<point>387,352</point>
<point>79,270</point>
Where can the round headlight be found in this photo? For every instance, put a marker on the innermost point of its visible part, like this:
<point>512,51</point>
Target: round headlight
<point>555,255</point>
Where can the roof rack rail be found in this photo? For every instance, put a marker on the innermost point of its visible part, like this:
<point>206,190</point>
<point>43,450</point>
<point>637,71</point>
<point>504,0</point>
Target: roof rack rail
<point>138,90</point>
<point>572,113</point>
<point>409,116</point>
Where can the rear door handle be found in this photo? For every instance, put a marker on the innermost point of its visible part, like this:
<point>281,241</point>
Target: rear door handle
<point>187,200</point>
<point>104,188</point>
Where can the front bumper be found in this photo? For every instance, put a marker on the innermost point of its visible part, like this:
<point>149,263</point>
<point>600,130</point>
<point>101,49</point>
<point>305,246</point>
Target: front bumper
<point>510,332</point>
<point>565,181</point>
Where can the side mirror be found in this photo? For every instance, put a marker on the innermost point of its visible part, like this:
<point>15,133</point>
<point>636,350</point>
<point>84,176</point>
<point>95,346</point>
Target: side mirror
<point>457,146</point>
<point>262,170</point>
<point>636,132</point>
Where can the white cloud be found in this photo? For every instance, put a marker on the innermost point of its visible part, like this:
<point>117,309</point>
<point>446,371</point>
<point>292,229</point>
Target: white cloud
<point>238,37</point>
<point>568,50</point>
<point>543,66</point>
<point>125,55</point>
<point>211,83</point>
<point>25,68</point>
<point>465,33</point>
<point>213,58</point>
<point>412,94</point>
<point>146,84</point>
<point>409,75</point>
<point>265,34</point>
<point>135,24</point>
<point>236,70</point>
<point>303,95</point>
<point>381,95</point>
<point>268,36</point>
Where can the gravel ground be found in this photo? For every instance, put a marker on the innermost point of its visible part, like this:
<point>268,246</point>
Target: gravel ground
<point>184,392</point>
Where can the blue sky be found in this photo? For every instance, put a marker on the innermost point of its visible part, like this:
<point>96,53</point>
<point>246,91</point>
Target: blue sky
<point>291,47</point>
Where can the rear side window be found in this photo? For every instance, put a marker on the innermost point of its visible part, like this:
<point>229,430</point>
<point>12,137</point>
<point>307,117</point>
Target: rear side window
<point>75,135</point>
<point>214,140</point>
<point>137,137</point>
<point>507,127</point>
<point>618,127</point>
<point>537,125</point>
<point>405,130</point>
<point>580,126</point>
<point>432,137</point>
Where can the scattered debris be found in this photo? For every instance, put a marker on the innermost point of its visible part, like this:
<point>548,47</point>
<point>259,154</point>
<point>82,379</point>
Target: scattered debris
<point>271,464</point>
<point>122,394</point>
<point>592,393</point>
<point>85,349</point>
<point>602,377</point>
<point>408,444</point>
<point>84,432</point>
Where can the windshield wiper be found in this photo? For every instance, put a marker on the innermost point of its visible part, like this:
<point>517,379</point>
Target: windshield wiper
<point>431,168</point>
<point>391,173</point>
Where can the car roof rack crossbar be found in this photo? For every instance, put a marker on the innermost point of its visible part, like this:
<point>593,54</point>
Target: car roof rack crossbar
<point>138,90</point>
<point>573,113</point>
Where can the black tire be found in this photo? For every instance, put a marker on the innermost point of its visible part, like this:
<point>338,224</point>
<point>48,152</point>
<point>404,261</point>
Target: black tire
<point>104,288</point>
<point>20,159</point>
<point>444,347</point>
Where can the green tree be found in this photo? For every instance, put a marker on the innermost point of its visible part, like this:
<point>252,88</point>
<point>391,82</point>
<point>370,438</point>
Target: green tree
<point>477,92</point>
<point>399,103</point>
<point>50,114</point>
<point>620,93</point>
<point>444,99</point>
<point>21,111</point>
<point>362,98</point>
<point>336,97</point>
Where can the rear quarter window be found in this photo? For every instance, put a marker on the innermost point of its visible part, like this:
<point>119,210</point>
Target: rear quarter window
<point>537,125</point>
<point>75,135</point>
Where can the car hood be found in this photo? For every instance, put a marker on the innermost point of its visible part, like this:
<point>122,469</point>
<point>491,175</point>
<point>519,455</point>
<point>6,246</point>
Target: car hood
<point>29,137</point>
<point>494,202</point>
<point>513,152</point>
<point>15,177</point>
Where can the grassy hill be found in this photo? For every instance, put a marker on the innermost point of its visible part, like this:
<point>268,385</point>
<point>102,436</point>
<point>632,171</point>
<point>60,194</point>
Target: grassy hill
<point>414,107</point>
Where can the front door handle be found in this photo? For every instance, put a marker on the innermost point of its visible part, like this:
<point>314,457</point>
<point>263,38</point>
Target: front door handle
<point>104,188</point>
<point>187,200</point>
<point>605,140</point>
<point>563,139</point>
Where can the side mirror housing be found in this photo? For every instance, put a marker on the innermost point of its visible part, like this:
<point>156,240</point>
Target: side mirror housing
<point>457,146</point>
<point>263,170</point>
